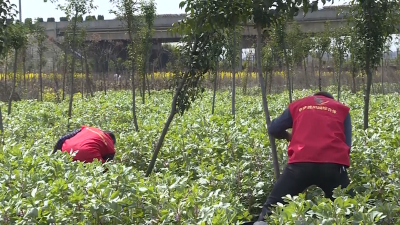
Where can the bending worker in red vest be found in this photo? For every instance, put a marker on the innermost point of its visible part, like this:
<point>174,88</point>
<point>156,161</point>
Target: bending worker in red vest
<point>319,148</point>
<point>90,142</point>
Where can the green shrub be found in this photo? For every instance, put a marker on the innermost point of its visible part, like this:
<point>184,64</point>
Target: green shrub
<point>211,169</point>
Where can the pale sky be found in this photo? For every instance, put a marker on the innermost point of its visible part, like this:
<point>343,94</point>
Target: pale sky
<point>37,8</point>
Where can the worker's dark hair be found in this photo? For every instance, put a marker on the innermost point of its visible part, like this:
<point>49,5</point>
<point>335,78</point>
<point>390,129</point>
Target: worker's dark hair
<point>111,135</point>
<point>326,94</point>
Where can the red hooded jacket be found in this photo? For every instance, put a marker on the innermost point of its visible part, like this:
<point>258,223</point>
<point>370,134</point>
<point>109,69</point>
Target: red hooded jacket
<point>318,131</point>
<point>90,143</point>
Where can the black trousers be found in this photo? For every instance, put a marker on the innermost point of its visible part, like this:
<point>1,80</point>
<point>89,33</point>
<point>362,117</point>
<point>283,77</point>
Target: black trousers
<point>297,177</point>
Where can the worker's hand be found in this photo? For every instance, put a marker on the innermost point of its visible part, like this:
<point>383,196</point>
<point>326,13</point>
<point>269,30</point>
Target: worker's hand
<point>289,136</point>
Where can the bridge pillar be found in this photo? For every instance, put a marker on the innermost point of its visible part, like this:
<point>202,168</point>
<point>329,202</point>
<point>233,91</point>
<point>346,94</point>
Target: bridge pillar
<point>157,45</point>
<point>240,64</point>
<point>156,53</point>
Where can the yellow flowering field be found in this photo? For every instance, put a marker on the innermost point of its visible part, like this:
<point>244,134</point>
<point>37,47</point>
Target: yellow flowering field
<point>156,75</point>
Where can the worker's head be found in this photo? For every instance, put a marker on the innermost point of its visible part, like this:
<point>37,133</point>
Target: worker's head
<point>111,135</point>
<point>325,94</point>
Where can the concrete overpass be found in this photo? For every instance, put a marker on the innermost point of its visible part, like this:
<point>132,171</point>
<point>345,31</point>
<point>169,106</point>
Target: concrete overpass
<point>115,29</point>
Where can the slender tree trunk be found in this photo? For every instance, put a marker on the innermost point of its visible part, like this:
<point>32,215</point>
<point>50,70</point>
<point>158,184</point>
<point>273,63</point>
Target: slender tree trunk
<point>305,73</point>
<point>353,76</point>
<point>271,77</point>
<point>266,80</point>
<point>104,82</point>
<point>40,77</point>
<point>134,102</point>
<point>265,103</point>
<point>14,82</point>
<point>1,128</point>
<point>171,114</point>
<point>312,69</point>
<point>372,85</point>
<point>383,89</point>
<point>133,78</point>
<point>105,75</point>
<point>5,74</point>
<point>143,91</point>
<point>215,87</point>
<point>89,88</point>
<point>147,75</point>
<point>140,86</point>
<point>148,84</point>
<point>24,67</point>
<point>55,81</point>
<point>339,80</point>
<point>289,85</point>
<point>367,94</point>
<point>71,93</point>
<point>144,79</point>
<point>65,72</point>
<point>234,71</point>
<point>363,81</point>
<point>82,86</point>
<point>319,74</point>
<point>292,83</point>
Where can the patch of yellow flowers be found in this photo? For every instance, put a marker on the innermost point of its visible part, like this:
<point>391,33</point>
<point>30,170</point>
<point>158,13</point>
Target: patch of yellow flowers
<point>35,76</point>
<point>240,74</point>
<point>228,75</point>
<point>156,75</point>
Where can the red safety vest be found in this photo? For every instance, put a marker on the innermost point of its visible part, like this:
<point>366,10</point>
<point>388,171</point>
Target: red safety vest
<point>318,131</point>
<point>90,143</point>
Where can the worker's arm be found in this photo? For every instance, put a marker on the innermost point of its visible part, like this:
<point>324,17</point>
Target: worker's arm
<point>348,129</point>
<point>109,156</point>
<point>109,153</point>
<point>61,141</point>
<point>278,126</point>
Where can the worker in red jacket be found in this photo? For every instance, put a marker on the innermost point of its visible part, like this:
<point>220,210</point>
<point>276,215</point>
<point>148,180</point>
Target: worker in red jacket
<point>90,142</point>
<point>319,148</point>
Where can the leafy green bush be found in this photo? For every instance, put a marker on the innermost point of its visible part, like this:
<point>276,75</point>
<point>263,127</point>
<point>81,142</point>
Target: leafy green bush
<point>90,18</point>
<point>9,21</point>
<point>211,170</point>
<point>28,21</point>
